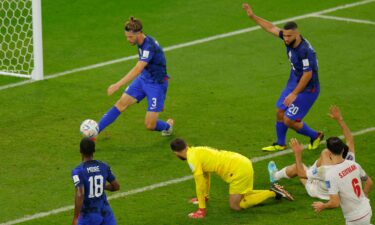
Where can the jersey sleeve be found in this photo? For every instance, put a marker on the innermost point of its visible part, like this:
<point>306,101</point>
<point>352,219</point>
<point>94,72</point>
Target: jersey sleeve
<point>200,187</point>
<point>308,60</point>
<point>281,34</point>
<point>350,156</point>
<point>362,173</point>
<point>195,166</point>
<point>77,179</point>
<point>312,171</point>
<point>147,53</point>
<point>111,177</point>
<point>332,184</point>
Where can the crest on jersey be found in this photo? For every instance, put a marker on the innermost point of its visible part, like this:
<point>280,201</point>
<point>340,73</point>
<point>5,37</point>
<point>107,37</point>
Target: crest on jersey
<point>328,184</point>
<point>145,54</point>
<point>305,62</point>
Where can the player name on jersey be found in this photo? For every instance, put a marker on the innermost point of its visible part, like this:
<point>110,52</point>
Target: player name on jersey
<point>347,171</point>
<point>93,169</point>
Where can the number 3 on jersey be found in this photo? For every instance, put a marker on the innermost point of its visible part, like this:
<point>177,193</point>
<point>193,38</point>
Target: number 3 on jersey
<point>356,187</point>
<point>96,186</point>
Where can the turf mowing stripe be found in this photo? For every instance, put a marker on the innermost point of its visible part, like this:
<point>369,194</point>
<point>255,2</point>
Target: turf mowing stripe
<point>158,185</point>
<point>345,19</point>
<point>191,43</point>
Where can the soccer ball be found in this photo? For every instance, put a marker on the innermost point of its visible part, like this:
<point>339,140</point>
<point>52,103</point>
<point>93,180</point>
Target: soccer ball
<point>89,128</point>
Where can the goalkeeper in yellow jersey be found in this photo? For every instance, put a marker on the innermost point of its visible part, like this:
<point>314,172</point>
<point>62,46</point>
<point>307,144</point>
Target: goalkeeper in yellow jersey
<point>233,168</point>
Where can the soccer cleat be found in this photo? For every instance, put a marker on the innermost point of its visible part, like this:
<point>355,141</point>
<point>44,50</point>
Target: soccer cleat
<point>281,192</point>
<point>314,144</point>
<point>274,147</point>
<point>199,214</point>
<point>272,169</point>
<point>195,200</point>
<point>170,130</point>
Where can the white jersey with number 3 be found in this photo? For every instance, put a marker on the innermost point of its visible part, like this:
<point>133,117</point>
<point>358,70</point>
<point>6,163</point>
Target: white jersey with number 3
<point>344,179</point>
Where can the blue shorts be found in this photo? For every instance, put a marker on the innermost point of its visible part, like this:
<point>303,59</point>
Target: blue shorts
<point>97,219</point>
<point>300,107</point>
<point>155,93</point>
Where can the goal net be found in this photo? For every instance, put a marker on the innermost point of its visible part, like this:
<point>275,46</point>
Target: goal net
<point>21,52</point>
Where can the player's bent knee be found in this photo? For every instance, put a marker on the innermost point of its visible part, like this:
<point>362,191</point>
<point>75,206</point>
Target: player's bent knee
<point>279,115</point>
<point>290,123</point>
<point>121,106</point>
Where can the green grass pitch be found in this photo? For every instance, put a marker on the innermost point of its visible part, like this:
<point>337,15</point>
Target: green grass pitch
<point>222,94</point>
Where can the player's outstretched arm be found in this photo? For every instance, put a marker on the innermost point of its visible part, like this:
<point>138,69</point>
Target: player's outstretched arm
<point>298,149</point>
<point>367,186</point>
<point>113,186</point>
<point>334,202</point>
<point>133,73</point>
<point>335,113</point>
<point>266,25</point>
<point>78,202</point>
<point>201,189</point>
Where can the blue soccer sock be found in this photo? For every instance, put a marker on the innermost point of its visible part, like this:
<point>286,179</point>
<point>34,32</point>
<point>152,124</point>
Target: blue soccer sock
<point>161,125</point>
<point>108,118</point>
<point>281,130</point>
<point>307,131</point>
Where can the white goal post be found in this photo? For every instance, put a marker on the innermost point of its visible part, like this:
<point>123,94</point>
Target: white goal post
<point>21,50</point>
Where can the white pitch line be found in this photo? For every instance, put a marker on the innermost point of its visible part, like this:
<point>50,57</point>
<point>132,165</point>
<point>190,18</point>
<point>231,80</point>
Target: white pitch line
<point>191,43</point>
<point>345,19</point>
<point>159,185</point>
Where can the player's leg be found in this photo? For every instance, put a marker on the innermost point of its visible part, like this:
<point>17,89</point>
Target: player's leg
<point>297,111</point>
<point>241,190</point>
<point>132,94</point>
<point>303,181</point>
<point>256,197</point>
<point>234,201</point>
<point>109,219</point>
<point>90,219</point>
<point>314,190</point>
<point>281,128</point>
<point>287,172</point>
<point>156,94</point>
<point>123,103</point>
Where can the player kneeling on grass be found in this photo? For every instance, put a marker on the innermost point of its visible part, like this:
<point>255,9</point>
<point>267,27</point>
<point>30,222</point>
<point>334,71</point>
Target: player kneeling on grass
<point>90,177</point>
<point>313,178</point>
<point>233,168</point>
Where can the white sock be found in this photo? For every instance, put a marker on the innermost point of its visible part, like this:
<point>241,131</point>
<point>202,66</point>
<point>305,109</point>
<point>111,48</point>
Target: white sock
<point>281,174</point>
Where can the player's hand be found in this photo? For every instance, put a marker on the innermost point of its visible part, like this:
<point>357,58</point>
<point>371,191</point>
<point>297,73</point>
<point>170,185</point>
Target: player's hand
<point>248,9</point>
<point>112,89</point>
<point>318,206</point>
<point>334,113</point>
<point>296,146</point>
<point>289,99</point>
<point>199,214</point>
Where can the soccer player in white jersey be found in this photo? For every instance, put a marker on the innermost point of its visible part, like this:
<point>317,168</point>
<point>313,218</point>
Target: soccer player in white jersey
<point>348,186</point>
<point>313,178</point>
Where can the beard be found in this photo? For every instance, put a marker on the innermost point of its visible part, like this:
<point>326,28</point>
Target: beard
<point>291,43</point>
<point>182,158</point>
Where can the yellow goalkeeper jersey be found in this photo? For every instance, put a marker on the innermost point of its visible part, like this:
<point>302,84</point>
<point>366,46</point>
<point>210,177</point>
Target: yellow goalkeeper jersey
<point>206,159</point>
